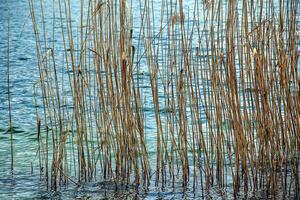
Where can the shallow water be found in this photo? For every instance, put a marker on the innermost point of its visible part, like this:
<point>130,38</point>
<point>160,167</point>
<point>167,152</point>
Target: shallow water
<point>26,180</point>
<point>22,183</point>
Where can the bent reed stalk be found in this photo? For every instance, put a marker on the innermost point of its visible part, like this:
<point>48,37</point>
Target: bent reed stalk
<point>217,82</point>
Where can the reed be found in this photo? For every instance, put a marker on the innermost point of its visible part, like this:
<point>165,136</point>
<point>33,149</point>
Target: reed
<point>217,82</point>
<point>10,130</point>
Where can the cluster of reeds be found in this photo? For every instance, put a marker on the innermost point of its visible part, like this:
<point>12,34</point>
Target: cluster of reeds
<point>217,82</point>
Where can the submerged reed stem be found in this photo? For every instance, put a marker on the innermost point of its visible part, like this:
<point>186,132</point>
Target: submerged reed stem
<point>10,128</point>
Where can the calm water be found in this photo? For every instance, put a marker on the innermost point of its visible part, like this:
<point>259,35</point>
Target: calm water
<point>26,181</point>
<point>24,72</point>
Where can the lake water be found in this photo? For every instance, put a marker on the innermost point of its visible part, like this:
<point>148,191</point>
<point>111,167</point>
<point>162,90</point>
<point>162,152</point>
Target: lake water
<point>26,180</point>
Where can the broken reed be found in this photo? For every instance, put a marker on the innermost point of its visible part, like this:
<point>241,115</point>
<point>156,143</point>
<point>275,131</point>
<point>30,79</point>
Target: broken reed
<point>225,93</point>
